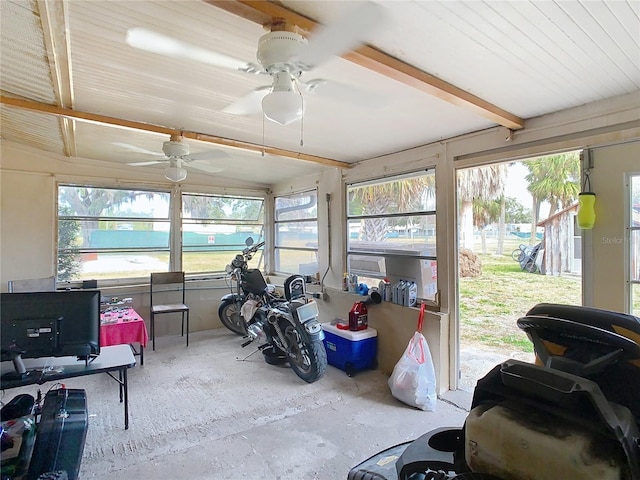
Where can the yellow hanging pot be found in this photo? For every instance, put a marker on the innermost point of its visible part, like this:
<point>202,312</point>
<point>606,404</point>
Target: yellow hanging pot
<point>586,210</point>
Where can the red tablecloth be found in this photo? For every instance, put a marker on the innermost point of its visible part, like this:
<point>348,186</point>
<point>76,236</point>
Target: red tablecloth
<point>122,325</point>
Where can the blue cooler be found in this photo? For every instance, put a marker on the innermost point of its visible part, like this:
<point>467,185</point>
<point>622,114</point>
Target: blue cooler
<point>350,351</point>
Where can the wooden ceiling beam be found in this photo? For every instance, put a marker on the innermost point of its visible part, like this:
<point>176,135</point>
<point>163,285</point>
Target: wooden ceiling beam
<point>55,26</point>
<point>266,12</point>
<point>204,137</point>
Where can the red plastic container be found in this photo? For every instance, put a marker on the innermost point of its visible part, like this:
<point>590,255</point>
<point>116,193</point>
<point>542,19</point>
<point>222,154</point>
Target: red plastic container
<point>358,317</point>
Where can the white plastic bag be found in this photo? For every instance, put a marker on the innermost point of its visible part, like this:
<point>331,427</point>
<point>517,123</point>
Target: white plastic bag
<point>413,380</point>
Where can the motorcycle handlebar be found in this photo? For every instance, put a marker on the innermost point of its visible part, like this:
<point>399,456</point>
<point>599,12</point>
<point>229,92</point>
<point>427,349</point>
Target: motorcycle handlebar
<point>253,248</point>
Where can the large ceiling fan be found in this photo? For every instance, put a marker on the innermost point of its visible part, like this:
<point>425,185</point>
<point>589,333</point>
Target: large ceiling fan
<point>175,153</point>
<point>284,55</point>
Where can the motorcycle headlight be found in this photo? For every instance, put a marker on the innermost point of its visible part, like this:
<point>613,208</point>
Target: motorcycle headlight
<point>238,261</point>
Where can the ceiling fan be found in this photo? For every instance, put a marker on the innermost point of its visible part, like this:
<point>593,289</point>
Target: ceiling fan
<point>284,55</point>
<point>176,154</point>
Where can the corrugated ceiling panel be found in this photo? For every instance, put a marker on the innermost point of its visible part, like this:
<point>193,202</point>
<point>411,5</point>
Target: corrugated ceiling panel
<point>33,129</point>
<point>100,54</point>
<point>25,67</point>
<point>105,143</point>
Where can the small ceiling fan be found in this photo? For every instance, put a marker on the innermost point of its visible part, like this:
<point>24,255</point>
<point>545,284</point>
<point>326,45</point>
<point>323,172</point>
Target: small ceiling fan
<point>284,55</point>
<point>176,155</point>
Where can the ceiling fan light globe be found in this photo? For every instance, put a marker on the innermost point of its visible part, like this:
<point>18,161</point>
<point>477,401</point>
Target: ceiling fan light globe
<point>283,107</point>
<point>175,174</point>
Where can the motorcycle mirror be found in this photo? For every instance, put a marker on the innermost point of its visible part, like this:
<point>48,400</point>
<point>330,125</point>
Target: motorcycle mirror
<point>249,241</point>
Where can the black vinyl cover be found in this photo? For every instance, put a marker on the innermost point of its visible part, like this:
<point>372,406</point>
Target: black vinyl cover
<point>596,317</point>
<point>61,433</point>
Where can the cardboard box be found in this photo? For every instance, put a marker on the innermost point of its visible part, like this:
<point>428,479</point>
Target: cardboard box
<point>350,351</point>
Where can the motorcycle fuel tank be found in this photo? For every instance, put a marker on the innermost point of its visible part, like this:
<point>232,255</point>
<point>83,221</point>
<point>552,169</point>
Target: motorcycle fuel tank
<point>253,281</point>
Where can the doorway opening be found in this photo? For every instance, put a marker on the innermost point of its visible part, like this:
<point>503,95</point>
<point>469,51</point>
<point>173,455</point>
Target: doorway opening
<point>518,246</point>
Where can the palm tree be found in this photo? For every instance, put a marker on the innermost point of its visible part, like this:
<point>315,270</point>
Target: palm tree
<point>480,184</point>
<point>486,212</point>
<point>378,200</point>
<point>554,178</point>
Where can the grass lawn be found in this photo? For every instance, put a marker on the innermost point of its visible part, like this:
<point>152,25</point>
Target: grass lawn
<point>491,303</point>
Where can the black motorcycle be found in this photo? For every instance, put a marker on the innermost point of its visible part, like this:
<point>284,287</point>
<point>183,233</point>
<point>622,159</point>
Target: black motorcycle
<point>286,329</point>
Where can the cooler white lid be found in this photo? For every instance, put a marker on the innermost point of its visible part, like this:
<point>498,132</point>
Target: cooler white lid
<point>359,335</point>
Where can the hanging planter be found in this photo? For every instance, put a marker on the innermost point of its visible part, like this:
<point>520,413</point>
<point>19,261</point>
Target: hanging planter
<point>586,205</point>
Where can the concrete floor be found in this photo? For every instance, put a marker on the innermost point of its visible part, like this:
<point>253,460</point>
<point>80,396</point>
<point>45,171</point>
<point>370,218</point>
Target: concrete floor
<point>201,413</point>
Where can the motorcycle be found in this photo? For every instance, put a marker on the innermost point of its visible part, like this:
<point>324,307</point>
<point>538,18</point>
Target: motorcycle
<point>285,329</point>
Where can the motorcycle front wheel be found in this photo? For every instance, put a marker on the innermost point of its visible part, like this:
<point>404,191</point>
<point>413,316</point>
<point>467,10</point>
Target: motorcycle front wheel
<point>307,359</point>
<point>229,313</point>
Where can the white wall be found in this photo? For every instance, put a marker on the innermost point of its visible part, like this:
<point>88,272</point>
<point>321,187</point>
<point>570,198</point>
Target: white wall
<point>27,225</point>
<point>606,264</point>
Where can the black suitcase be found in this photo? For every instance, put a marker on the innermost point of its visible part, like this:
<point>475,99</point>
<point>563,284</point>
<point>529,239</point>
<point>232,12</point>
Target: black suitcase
<point>61,434</point>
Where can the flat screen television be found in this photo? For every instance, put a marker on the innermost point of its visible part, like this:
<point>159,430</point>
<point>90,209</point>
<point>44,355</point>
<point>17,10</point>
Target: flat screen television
<point>49,324</point>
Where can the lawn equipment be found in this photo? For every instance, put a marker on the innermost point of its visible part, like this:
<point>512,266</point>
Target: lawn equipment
<point>526,255</point>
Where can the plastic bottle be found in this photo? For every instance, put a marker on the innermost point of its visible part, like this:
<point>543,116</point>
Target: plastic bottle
<point>353,283</point>
<point>402,292</point>
<point>394,292</point>
<point>388,291</point>
<point>397,288</point>
<point>345,282</point>
<point>411,294</point>
<point>358,317</point>
<point>384,289</point>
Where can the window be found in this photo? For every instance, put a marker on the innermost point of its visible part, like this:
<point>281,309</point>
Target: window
<point>634,244</point>
<point>108,233</point>
<point>215,228</point>
<point>391,225</point>
<point>111,233</point>
<point>296,233</point>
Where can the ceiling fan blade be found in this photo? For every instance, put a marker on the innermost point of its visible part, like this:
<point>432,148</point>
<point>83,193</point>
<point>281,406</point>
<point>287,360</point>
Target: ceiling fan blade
<point>133,148</point>
<point>345,34</point>
<point>344,93</point>
<point>205,167</point>
<point>141,164</point>
<point>154,42</point>
<point>208,155</point>
<point>250,104</point>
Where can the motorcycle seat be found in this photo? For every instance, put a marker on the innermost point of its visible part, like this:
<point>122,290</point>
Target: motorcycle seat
<point>592,343</point>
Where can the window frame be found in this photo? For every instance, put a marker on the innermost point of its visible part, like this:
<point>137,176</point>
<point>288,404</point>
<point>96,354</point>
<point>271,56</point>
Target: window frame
<point>277,248</point>
<point>112,281</point>
<point>234,248</point>
<point>174,220</point>
<point>633,231</point>
<point>383,253</point>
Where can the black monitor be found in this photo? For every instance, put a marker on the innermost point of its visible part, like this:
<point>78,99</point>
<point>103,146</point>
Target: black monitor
<point>49,324</point>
